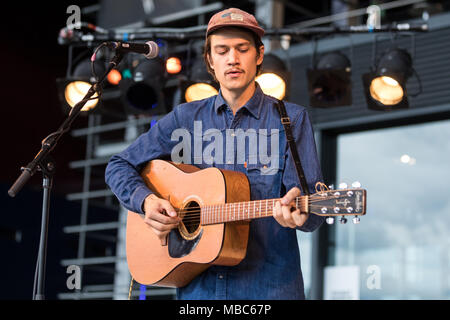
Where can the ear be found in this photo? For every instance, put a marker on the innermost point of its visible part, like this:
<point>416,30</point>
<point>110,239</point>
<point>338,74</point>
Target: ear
<point>208,57</point>
<point>261,56</point>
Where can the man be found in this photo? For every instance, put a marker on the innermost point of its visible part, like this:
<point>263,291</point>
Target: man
<point>271,269</point>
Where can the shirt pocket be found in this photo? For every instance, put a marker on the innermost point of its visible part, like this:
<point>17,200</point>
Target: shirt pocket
<point>265,179</point>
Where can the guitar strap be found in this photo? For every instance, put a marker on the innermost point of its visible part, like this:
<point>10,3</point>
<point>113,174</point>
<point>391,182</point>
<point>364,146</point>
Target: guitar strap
<point>286,121</point>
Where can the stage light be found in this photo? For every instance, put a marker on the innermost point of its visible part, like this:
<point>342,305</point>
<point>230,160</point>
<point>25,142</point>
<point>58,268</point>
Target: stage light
<point>173,65</point>
<point>114,77</point>
<point>385,85</point>
<point>143,92</point>
<point>73,89</point>
<point>200,84</point>
<point>75,92</point>
<point>273,78</point>
<point>272,85</point>
<point>199,91</point>
<point>329,82</point>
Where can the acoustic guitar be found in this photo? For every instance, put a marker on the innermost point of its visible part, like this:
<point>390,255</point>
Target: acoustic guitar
<point>215,208</point>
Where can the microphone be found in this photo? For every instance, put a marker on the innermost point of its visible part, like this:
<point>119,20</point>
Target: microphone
<point>149,49</point>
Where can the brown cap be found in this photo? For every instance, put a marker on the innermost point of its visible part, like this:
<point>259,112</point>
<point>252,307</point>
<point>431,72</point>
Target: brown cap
<point>236,18</point>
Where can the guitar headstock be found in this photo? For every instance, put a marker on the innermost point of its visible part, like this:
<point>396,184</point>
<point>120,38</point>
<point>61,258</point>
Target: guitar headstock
<point>341,202</point>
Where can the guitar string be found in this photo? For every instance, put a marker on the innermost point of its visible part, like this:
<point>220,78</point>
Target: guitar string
<point>227,211</point>
<point>248,204</point>
<point>189,221</point>
<point>195,216</point>
<point>310,200</point>
<point>197,223</point>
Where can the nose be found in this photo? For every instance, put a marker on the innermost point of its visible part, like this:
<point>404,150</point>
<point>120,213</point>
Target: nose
<point>233,57</point>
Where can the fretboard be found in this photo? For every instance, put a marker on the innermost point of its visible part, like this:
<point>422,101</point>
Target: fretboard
<point>239,211</point>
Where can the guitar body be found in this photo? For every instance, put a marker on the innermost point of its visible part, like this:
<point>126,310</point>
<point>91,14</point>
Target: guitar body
<point>191,248</point>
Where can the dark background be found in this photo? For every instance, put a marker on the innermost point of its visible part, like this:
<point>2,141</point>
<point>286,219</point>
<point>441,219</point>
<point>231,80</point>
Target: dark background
<point>31,60</point>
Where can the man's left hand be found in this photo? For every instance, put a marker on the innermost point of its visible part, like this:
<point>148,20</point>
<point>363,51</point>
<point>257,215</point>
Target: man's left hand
<point>285,212</point>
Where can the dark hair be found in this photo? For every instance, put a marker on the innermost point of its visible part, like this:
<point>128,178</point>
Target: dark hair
<point>207,48</point>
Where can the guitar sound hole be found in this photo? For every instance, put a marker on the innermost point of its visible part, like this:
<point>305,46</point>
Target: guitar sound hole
<point>191,220</point>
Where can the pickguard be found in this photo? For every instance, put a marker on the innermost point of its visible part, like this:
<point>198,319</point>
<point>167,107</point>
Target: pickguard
<point>179,246</point>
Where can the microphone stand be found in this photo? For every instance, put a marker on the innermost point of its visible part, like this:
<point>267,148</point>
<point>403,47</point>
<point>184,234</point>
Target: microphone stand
<point>44,163</point>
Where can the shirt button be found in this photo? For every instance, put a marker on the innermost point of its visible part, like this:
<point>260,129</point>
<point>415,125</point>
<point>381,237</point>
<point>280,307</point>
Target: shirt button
<point>220,276</point>
<point>229,161</point>
<point>233,134</point>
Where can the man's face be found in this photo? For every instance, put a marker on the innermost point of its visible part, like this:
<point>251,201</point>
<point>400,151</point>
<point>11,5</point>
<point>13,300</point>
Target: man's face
<point>234,58</point>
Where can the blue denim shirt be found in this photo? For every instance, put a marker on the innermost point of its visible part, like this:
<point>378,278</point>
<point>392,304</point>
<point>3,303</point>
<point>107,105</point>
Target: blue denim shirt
<point>271,268</point>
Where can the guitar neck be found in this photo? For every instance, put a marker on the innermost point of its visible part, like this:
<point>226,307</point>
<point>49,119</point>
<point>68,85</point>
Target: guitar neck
<point>248,210</point>
<point>343,202</point>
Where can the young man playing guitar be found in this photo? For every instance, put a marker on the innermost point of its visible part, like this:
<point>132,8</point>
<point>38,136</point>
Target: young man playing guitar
<point>271,268</point>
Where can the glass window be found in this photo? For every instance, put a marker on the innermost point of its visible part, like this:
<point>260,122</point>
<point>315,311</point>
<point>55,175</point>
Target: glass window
<point>402,245</point>
<point>305,246</point>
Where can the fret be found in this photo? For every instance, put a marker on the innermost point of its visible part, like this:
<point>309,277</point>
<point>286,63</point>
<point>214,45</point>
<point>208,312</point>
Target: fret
<point>267,207</point>
<point>248,210</point>
<point>239,211</point>
<point>260,209</point>
<point>254,208</point>
<point>273,205</point>
<point>234,211</point>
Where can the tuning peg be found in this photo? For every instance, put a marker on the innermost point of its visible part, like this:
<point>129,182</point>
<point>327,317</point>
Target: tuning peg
<point>356,184</point>
<point>356,220</point>
<point>329,220</point>
<point>343,220</point>
<point>331,187</point>
<point>343,185</point>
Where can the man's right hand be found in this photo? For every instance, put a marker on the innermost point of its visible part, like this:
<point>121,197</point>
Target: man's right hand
<point>160,216</point>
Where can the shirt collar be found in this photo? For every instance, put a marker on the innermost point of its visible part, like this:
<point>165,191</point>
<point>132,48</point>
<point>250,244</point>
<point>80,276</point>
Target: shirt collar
<point>253,105</point>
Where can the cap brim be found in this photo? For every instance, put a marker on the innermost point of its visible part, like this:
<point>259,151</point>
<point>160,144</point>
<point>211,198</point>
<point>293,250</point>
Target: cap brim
<point>258,31</point>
